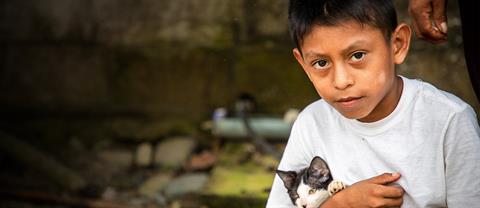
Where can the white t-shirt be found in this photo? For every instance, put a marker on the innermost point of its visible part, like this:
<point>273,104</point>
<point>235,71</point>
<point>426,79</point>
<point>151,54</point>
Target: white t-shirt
<point>432,139</point>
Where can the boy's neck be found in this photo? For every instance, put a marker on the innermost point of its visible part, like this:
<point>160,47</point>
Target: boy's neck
<point>388,104</point>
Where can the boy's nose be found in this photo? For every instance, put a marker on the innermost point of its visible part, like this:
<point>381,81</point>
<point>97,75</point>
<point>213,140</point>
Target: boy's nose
<point>342,78</point>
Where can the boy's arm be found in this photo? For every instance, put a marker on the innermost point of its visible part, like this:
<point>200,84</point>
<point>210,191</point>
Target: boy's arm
<point>373,192</point>
<point>462,160</point>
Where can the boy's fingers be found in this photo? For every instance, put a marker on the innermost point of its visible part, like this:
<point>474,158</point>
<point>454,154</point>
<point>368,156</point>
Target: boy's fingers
<point>393,202</point>
<point>382,201</point>
<point>385,178</point>
<point>390,191</point>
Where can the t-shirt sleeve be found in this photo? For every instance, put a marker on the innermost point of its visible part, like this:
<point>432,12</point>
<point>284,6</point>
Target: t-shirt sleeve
<point>462,160</point>
<point>295,157</point>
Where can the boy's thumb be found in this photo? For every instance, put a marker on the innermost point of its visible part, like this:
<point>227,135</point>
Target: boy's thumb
<point>385,178</point>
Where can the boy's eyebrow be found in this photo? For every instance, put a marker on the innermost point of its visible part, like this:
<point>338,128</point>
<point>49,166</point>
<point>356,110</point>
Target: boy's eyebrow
<point>352,46</point>
<point>313,55</point>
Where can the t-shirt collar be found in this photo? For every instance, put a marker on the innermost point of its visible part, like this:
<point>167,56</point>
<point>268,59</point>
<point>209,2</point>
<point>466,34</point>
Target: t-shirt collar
<point>380,126</point>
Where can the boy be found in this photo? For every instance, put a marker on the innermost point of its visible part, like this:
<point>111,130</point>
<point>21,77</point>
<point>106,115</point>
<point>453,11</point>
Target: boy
<point>395,141</point>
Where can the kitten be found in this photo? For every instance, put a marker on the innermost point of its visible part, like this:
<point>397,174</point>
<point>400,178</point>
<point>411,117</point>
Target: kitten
<point>310,187</point>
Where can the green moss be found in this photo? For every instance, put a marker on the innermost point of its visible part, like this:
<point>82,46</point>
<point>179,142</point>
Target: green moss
<point>232,201</point>
<point>246,181</point>
<point>287,85</point>
<point>240,174</point>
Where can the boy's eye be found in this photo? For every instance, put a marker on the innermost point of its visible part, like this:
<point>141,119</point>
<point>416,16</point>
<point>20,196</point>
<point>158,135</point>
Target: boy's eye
<point>312,191</point>
<point>320,64</point>
<point>358,56</point>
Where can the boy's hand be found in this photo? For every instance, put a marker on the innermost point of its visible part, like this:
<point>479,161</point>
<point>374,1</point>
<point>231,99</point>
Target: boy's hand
<point>373,192</point>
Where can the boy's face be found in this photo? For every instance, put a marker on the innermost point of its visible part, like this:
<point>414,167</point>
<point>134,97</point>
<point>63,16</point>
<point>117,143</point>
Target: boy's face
<point>352,67</point>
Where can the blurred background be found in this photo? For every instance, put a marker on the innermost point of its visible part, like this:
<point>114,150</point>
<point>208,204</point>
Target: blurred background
<point>135,103</point>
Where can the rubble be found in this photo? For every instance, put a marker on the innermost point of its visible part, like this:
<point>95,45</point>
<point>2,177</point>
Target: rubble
<point>174,171</point>
<point>154,184</point>
<point>119,158</point>
<point>173,152</point>
<point>143,155</point>
<point>188,183</point>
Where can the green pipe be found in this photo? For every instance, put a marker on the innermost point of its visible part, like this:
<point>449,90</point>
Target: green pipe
<point>268,127</point>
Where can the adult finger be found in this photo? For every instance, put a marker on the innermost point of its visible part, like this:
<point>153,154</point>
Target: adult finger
<point>420,10</point>
<point>385,178</point>
<point>440,15</point>
<point>430,32</point>
<point>422,15</point>
<point>416,29</point>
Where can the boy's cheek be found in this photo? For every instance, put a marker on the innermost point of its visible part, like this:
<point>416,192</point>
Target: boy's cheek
<point>321,88</point>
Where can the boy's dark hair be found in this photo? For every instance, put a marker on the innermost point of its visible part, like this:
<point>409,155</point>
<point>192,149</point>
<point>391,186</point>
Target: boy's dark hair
<point>304,14</point>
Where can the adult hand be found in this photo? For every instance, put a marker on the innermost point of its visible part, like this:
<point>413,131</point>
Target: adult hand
<point>429,19</point>
<point>373,192</point>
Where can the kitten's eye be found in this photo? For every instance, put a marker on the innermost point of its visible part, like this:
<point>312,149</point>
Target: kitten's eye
<point>320,64</point>
<point>311,191</point>
<point>358,56</point>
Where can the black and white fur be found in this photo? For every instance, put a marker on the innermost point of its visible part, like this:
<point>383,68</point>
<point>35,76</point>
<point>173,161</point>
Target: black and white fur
<point>311,186</point>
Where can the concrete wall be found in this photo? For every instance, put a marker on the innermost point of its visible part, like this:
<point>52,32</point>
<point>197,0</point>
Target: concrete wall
<point>171,58</point>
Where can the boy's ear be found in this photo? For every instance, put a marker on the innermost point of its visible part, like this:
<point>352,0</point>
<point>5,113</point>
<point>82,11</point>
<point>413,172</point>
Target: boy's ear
<point>400,42</point>
<point>299,57</point>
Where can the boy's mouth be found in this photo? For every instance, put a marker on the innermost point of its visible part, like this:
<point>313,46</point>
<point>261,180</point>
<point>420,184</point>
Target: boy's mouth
<point>348,101</point>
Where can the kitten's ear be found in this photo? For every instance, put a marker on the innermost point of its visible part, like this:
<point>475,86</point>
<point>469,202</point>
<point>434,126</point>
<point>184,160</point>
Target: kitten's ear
<point>288,178</point>
<point>318,168</point>
<point>318,163</point>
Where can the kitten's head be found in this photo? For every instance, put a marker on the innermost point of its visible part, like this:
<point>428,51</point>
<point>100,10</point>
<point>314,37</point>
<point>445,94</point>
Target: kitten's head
<point>308,188</point>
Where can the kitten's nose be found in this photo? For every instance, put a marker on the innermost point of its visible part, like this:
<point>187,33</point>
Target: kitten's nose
<point>304,206</point>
